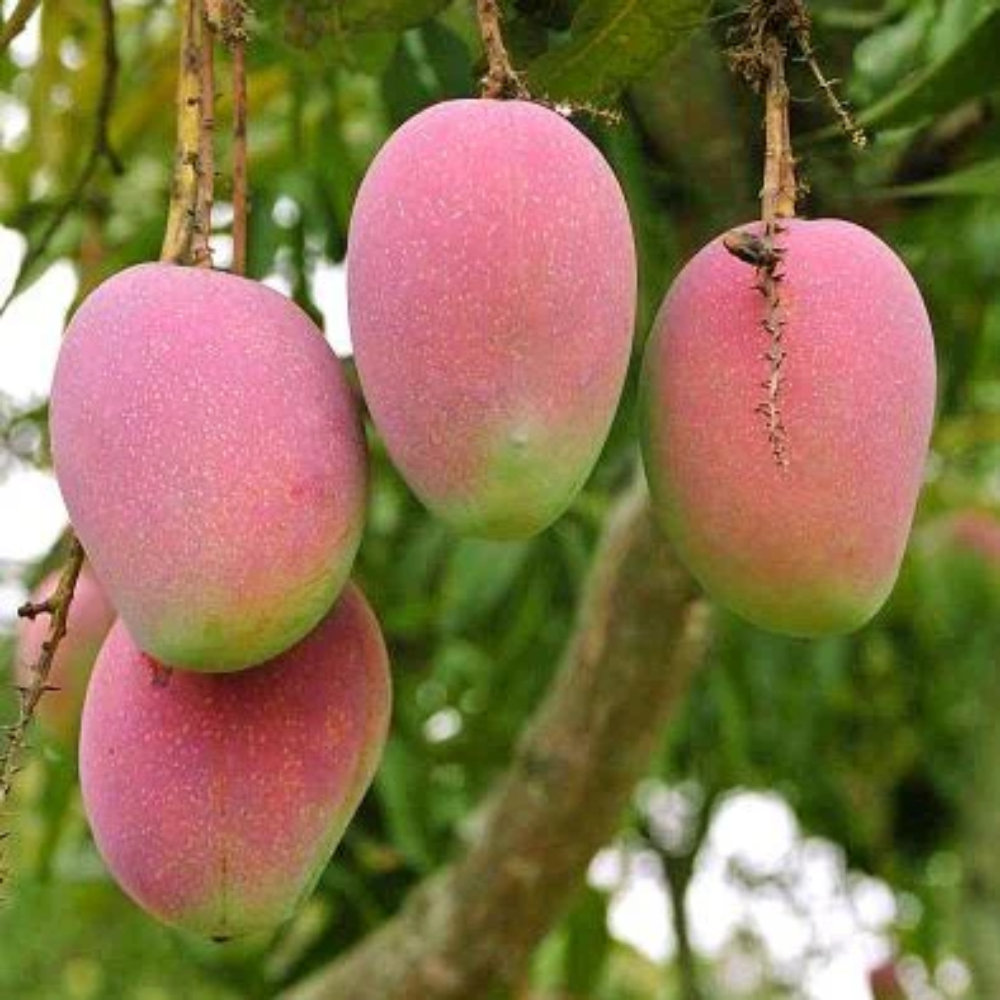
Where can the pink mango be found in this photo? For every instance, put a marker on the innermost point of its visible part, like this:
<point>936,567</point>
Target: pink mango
<point>212,460</point>
<point>491,285</point>
<point>814,547</point>
<point>217,799</point>
<point>90,618</point>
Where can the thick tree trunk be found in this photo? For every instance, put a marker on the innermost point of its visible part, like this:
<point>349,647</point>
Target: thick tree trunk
<point>641,633</point>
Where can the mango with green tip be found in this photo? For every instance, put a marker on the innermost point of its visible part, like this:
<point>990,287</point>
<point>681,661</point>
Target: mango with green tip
<point>812,547</point>
<point>216,800</point>
<point>211,456</point>
<point>491,288</point>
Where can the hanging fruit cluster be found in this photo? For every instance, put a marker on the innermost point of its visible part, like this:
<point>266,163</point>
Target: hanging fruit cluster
<point>212,458</point>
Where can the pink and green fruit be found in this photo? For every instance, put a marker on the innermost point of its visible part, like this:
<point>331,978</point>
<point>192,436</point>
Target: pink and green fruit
<point>492,285</point>
<point>217,799</point>
<point>813,547</point>
<point>90,618</point>
<point>212,460</point>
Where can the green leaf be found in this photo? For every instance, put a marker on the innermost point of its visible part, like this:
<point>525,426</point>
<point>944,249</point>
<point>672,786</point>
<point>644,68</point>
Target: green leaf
<point>388,15</point>
<point>587,942</point>
<point>402,787</point>
<point>966,71</point>
<point>980,180</point>
<point>404,91</point>
<point>480,574</point>
<point>449,58</point>
<point>612,43</point>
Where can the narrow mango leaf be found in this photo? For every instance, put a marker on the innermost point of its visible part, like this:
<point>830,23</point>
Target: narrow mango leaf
<point>479,575</point>
<point>612,43</point>
<point>966,71</point>
<point>449,57</point>
<point>980,180</point>
<point>404,91</point>
<point>587,942</point>
<point>402,787</point>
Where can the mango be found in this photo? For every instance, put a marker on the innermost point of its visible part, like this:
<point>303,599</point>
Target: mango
<point>491,289</point>
<point>90,618</point>
<point>210,454</point>
<point>813,546</point>
<point>217,799</point>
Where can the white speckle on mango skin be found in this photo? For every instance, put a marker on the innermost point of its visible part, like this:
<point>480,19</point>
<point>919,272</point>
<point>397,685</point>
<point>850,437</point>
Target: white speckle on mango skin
<point>491,274</point>
<point>814,548</point>
<point>216,800</point>
<point>212,460</point>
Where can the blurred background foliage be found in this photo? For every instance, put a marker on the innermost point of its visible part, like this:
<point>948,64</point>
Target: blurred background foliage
<point>886,743</point>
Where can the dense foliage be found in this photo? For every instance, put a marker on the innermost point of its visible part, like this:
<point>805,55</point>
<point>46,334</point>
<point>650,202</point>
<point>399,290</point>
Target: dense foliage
<point>882,742</point>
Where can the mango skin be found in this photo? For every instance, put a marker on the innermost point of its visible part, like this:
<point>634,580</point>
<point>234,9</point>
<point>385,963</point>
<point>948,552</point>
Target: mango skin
<point>90,618</point>
<point>491,288</point>
<point>216,800</point>
<point>815,548</point>
<point>212,460</point>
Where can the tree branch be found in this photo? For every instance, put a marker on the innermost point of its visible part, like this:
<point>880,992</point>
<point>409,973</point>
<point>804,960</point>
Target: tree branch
<point>18,21</point>
<point>201,243</point>
<point>641,634</point>
<point>15,735</point>
<point>235,35</point>
<point>184,183</point>
<point>100,149</point>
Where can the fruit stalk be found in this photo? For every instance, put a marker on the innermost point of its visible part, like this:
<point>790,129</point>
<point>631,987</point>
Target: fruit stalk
<point>501,80</point>
<point>235,35</point>
<point>779,192</point>
<point>184,183</point>
<point>201,239</point>
<point>760,59</point>
<point>778,197</point>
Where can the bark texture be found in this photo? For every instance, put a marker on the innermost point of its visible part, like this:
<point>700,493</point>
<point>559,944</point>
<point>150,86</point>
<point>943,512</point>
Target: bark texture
<point>641,633</point>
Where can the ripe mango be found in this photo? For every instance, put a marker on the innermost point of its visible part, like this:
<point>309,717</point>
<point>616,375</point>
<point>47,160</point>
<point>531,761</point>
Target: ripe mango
<point>211,457</point>
<point>491,288</point>
<point>216,800</point>
<point>814,546</point>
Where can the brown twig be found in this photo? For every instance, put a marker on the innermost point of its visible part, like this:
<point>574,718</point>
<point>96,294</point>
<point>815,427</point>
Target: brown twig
<point>641,635</point>
<point>201,240</point>
<point>850,127</point>
<point>234,34</point>
<point>15,735</point>
<point>100,150</point>
<point>17,22</point>
<point>760,59</point>
<point>778,197</point>
<point>184,183</point>
<point>501,79</point>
